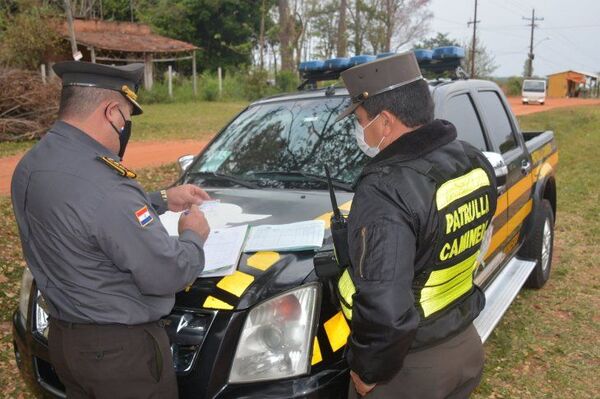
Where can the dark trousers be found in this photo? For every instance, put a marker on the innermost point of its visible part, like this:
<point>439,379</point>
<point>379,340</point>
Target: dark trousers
<point>112,361</point>
<point>450,370</point>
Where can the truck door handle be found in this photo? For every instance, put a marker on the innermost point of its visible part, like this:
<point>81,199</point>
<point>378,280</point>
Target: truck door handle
<point>525,166</point>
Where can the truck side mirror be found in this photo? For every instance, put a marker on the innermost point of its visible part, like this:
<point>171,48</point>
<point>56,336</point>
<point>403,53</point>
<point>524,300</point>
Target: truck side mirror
<point>500,169</point>
<point>185,162</point>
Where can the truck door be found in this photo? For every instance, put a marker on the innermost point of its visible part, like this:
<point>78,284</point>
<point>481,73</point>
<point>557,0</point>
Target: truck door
<point>502,132</point>
<point>459,109</point>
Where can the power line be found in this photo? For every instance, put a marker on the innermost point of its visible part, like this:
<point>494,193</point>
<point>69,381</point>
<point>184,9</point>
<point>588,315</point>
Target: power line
<point>474,22</point>
<point>533,25</point>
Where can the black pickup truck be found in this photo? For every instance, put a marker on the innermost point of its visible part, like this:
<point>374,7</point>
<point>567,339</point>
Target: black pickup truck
<point>274,329</point>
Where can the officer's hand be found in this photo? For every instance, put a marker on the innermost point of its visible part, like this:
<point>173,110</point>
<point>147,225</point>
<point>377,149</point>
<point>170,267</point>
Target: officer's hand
<point>180,198</point>
<point>361,387</point>
<point>194,220</point>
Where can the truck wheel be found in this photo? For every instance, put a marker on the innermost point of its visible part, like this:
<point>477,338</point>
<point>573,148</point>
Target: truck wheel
<point>540,245</point>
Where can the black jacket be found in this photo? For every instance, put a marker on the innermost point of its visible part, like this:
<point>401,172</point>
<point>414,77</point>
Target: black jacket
<point>393,232</point>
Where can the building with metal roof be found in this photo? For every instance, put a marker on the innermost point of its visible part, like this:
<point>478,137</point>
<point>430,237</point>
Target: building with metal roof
<point>573,83</point>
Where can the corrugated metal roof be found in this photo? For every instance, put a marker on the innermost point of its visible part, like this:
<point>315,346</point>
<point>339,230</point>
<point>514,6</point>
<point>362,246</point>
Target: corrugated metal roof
<point>123,36</point>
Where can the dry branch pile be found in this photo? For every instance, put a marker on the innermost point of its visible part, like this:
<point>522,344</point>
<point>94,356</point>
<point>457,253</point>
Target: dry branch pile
<point>27,105</point>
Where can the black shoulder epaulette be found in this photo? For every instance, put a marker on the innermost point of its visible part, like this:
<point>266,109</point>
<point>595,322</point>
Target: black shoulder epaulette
<point>121,170</point>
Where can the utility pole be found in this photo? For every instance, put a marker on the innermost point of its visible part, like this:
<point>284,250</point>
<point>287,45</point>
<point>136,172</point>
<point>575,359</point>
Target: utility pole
<point>474,22</point>
<point>531,56</point>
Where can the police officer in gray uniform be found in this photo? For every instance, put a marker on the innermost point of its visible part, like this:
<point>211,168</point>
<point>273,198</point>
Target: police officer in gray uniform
<point>92,239</point>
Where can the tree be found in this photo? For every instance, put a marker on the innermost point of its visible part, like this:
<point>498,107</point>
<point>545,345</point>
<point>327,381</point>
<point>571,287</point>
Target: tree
<point>342,41</point>
<point>286,35</point>
<point>439,40</point>
<point>29,37</point>
<point>485,63</point>
<point>395,23</point>
<point>226,31</point>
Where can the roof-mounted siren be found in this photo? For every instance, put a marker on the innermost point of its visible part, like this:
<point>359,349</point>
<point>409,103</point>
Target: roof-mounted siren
<point>361,59</point>
<point>315,71</point>
<point>440,60</point>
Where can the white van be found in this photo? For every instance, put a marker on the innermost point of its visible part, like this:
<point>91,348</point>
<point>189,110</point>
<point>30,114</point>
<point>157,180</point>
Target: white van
<point>534,91</point>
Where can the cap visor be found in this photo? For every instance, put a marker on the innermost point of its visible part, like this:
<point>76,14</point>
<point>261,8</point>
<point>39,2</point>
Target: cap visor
<point>137,109</point>
<point>347,112</point>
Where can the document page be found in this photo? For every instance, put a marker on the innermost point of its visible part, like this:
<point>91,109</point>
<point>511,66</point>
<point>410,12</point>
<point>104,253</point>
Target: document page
<point>222,250</point>
<point>300,236</point>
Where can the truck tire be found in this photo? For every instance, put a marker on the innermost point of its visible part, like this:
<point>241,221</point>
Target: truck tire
<point>540,245</point>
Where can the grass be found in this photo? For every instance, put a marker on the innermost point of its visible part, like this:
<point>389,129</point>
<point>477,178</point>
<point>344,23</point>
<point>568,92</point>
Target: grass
<point>546,344</point>
<point>191,120</point>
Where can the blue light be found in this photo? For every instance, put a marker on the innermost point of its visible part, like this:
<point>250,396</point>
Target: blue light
<point>337,64</point>
<point>448,52</point>
<point>361,59</point>
<point>312,66</point>
<point>423,55</point>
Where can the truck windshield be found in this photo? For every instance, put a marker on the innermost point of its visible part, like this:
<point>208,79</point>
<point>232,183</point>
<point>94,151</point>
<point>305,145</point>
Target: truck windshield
<point>535,86</point>
<point>284,145</point>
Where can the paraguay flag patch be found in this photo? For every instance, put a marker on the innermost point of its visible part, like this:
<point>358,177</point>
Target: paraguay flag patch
<point>143,216</point>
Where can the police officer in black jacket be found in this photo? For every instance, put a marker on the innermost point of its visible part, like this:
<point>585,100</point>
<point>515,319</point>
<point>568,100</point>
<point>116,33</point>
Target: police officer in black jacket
<point>422,208</point>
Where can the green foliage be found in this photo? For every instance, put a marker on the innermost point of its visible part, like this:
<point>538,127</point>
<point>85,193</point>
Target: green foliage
<point>513,86</point>
<point>256,86</point>
<point>209,87</point>
<point>226,30</point>
<point>27,37</point>
<point>439,40</point>
<point>287,81</point>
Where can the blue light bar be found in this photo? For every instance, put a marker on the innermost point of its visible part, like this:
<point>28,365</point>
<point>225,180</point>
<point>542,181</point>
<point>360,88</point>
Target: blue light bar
<point>361,59</point>
<point>312,66</point>
<point>423,55</point>
<point>383,55</point>
<point>337,64</point>
<point>448,52</point>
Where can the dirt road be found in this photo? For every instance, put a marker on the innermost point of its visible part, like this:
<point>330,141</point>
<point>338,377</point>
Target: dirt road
<point>151,153</point>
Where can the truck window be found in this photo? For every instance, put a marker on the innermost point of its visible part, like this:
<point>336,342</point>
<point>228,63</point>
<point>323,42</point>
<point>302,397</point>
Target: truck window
<point>461,112</point>
<point>500,129</point>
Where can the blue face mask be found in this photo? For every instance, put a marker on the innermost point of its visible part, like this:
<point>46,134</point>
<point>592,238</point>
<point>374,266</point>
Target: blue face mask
<point>359,133</point>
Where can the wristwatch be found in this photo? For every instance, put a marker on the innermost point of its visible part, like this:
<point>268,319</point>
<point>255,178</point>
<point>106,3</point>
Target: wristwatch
<point>163,195</point>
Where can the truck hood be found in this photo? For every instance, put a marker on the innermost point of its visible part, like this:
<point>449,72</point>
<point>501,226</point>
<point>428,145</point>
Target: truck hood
<point>261,276</point>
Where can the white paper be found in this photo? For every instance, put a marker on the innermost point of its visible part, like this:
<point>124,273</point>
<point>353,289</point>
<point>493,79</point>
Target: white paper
<point>222,250</point>
<point>218,214</point>
<point>286,237</point>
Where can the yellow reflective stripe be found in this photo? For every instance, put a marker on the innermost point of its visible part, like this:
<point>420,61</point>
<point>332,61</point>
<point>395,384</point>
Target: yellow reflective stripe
<point>316,354</point>
<point>462,186</point>
<point>441,301</point>
<point>346,311</point>
<point>337,331</point>
<point>346,287</point>
<point>263,260</point>
<point>213,303</point>
<point>445,275</point>
<point>236,283</point>
<point>518,217</point>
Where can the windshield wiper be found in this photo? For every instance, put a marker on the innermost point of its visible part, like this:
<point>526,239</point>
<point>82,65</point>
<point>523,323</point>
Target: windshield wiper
<point>309,176</point>
<point>220,176</point>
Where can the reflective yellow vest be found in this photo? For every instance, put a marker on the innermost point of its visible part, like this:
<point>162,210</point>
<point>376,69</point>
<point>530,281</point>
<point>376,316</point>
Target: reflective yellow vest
<point>465,209</point>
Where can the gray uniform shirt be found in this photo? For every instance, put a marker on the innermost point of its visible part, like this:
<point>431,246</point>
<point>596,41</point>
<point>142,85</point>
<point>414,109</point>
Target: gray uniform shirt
<point>92,238</point>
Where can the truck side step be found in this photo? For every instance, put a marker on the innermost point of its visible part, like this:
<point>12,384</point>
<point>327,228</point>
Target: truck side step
<point>500,294</point>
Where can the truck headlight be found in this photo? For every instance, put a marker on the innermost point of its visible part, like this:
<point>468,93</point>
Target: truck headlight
<point>41,315</point>
<point>276,338</point>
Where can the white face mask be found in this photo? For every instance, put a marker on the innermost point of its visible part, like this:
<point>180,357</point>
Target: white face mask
<point>359,133</point>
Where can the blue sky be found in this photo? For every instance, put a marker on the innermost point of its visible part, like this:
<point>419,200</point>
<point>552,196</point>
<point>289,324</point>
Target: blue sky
<point>567,38</point>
